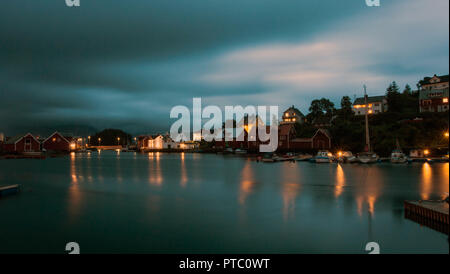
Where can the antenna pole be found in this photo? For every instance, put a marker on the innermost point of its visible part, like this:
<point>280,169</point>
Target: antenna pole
<point>367,120</point>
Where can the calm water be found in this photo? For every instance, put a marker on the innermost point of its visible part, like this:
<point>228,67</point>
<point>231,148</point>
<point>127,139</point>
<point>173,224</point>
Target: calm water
<point>199,203</point>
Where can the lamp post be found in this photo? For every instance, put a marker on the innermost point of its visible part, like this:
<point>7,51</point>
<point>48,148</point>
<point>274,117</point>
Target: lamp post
<point>89,140</point>
<point>99,141</point>
<point>118,140</point>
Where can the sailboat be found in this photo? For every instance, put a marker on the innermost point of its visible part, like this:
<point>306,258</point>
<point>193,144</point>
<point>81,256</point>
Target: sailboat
<point>397,156</point>
<point>367,157</point>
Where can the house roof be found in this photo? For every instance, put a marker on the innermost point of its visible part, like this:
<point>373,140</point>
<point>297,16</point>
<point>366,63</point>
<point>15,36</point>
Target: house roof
<point>434,93</point>
<point>294,109</point>
<point>426,80</point>
<point>56,132</point>
<point>17,138</point>
<point>370,99</point>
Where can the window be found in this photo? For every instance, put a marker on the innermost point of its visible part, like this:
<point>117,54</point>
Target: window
<point>445,100</point>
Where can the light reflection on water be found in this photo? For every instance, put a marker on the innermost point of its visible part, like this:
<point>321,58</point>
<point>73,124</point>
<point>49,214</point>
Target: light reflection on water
<point>298,207</point>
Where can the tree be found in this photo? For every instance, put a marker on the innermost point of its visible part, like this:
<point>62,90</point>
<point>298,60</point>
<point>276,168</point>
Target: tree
<point>321,108</point>
<point>111,137</point>
<point>407,90</point>
<point>393,97</point>
<point>346,107</point>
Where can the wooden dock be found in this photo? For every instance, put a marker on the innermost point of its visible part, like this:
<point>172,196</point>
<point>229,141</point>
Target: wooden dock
<point>433,214</point>
<point>7,190</point>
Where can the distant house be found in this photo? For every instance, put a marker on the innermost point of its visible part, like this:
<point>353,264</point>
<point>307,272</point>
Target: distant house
<point>433,100</point>
<point>320,140</point>
<point>286,133</point>
<point>435,82</point>
<point>22,144</point>
<point>375,105</point>
<point>57,142</point>
<point>292,115</point>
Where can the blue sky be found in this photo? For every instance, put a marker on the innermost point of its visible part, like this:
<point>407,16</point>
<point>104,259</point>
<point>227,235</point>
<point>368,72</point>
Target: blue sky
<point>125,64</point>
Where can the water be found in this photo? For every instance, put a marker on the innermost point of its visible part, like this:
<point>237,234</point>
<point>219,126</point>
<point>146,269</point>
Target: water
<point>202,203</point>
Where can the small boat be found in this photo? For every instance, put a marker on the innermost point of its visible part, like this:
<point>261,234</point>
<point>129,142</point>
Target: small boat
<point>303,157</point>
<point>398,157</point>
<point>368,157</point>
<point>240,151</point>
<point>268,158</point>
<point>324,156</point>
<point>228,150</point>
<point>347,157</point>
<point>7,190</point>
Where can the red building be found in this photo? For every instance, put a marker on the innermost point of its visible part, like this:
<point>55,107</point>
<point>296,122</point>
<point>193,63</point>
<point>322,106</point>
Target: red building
<point>57,142</point>
<point>287,139</point>
<point>21,144</point>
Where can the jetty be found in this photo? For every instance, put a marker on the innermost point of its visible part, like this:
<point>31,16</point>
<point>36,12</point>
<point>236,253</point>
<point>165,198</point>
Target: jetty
<point>433,214</point>
<point>7,190</point>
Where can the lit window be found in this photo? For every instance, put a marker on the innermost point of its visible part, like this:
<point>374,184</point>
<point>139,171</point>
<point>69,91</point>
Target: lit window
<point>445,100</point>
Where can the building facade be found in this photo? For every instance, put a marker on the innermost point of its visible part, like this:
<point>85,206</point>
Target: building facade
<point>57,142</point>
<point>375,105</point>
<point>22,144</point>
<point>292,115</point>
<point>435,82</point>
<point>433,100</point>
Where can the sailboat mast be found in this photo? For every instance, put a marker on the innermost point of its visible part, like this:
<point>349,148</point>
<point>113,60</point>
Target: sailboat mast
<point>367,120</point>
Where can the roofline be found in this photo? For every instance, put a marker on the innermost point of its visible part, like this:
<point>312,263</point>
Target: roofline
<point>56,132</point>
<point>24,136</point>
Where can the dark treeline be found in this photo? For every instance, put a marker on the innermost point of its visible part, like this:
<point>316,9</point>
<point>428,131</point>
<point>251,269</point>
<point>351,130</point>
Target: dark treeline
<point>402,121</point>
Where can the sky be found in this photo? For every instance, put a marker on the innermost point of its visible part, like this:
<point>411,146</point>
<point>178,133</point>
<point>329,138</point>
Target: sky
<point>125,64</point>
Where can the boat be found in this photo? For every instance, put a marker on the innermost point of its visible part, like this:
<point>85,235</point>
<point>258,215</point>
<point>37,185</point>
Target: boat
<point>303,157</point>
<point>398,157</point>
<point>368,156</point>
<point>268,158</point>
<point>346,157</point>
<point>324,156</point>
<point>240,151</point>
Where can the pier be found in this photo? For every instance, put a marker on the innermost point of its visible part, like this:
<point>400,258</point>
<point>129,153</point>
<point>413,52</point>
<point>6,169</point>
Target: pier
<point>433,214</point>
<point>7,190</point>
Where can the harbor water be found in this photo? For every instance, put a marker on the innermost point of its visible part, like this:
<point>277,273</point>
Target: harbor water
<point>128,202</point>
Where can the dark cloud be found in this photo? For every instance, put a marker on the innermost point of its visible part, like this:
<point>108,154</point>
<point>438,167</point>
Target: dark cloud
<point>126,63</point>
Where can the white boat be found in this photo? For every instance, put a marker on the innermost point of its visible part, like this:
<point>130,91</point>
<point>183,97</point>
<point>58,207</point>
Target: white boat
<point>398,157</point>
<point>368,157</point>
<point>324,156</point>
<point>346,157</point>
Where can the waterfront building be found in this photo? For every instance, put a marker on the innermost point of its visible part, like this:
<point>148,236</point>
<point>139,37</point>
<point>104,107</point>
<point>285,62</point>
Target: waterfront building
<point>286,133</point>
<point>375,105</point>
<point>435,82</point>
<point>22,144</point>
<point>321,139</point>
<point>433,100</point>
<point>58,143</point>
<point>293,115</point>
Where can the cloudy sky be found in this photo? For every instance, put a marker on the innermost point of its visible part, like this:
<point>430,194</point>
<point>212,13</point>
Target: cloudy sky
<point>125,64</point>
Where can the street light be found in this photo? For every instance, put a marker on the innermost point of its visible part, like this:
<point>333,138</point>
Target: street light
<point>89,140</point>
<point>118,140</point>
<point>446,134</point>
<point>99,141</point>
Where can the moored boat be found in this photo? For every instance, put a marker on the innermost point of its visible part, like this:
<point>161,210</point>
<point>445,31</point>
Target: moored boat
<point>324,156</point>
<point>346,157</point>
<point>368,157</point>
<point>398,157</point>
<point>268,158</point>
